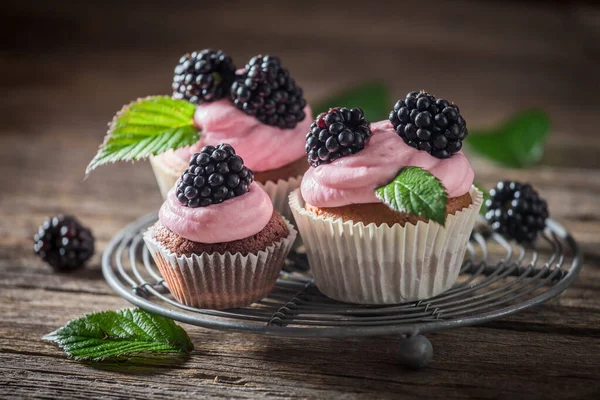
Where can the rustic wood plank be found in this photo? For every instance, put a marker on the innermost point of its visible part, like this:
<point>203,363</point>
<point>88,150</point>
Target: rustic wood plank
<point>304,367</point>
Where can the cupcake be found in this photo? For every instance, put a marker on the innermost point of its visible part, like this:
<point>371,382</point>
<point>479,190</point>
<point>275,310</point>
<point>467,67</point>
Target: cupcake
<point>386,211</point>
<point>218,242</point>
<point>263,114</point>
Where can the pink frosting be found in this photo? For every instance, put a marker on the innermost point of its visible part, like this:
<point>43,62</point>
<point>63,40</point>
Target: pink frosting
<point>263,147</point>
<point>233,219</point>
<point>353,179</point>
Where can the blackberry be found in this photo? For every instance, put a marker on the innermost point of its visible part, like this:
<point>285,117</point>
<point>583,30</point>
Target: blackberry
<point>64,243</point>
<point>213,176</point>
<point>203,76</point>
<point>267,91</point>
<point>340,132</point>
<point>429,124</point>
<point>516,210</point>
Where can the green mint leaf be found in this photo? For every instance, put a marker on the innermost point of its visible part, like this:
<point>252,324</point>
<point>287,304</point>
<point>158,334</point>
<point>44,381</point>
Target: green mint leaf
<point>147,127</point>
<point>108,334</point>
<point>486,196</point>
<point>518,142</point>
<point>372,97</point>
<point>415,191</point>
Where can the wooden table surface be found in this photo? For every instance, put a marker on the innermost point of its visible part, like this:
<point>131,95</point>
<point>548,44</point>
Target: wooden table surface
<point>66,68</point>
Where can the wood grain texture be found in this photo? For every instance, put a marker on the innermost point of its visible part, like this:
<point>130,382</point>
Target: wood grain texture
<point>66,66</point>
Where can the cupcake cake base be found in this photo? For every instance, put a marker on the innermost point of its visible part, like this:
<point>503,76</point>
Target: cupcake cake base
<point>369,264</point>
<point>221,275</point>
<point>379,213</point>
<point>275,230</point>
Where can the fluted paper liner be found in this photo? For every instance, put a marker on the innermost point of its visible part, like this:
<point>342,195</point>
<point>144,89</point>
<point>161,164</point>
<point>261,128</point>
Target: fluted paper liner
<point>279,191</point>
<point>220,281</point>
<point>165,177</point>
<point>370,264</point>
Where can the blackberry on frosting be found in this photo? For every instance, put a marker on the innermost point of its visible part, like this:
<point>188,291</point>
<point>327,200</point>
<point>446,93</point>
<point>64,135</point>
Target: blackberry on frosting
<point>203,76</point>
<point>213,176</point>
<point>337,133</point>
<point>266,91</point>
<point>429,124</point>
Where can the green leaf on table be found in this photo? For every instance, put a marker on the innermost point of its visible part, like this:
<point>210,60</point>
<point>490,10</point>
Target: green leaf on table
<point>147,126</point>
<point>109,334</point>
<point>415,191</point>
<point>372,97</point>
<point>518,142</point>
<point>486,196</point>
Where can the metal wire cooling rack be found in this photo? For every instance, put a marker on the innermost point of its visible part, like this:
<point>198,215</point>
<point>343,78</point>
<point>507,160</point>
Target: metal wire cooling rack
<point>497,278</point>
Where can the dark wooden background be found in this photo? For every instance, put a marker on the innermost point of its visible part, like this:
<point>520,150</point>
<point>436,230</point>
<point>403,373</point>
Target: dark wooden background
<point>66,67</point>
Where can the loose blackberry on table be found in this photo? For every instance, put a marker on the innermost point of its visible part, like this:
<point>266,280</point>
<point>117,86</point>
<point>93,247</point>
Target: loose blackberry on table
<point>267,91</point>
<point>337,133</point>
<point>429,124</point>
<point>203,76</point>
<point>516,210</point>
<point>64,243</point>
<point>213,176</point>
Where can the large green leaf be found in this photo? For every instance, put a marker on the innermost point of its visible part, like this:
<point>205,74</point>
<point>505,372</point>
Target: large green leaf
<point>108,334</point>
<point>147,127</point>
<point>518,142</point>
<point>415,191</point>
<point>372,97</point>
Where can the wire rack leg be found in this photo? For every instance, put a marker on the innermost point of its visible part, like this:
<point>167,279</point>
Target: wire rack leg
<point>415,352</point>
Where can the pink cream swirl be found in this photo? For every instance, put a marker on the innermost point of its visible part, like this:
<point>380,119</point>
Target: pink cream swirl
<point>234,219</point>
<point>263,147</point>
<point>353,179</point>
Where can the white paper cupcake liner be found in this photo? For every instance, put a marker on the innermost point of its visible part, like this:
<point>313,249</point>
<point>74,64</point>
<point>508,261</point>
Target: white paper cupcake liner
<point>165,177</point>
<point>279,192</point>
<point>220,281</point>
<point>367,264</point>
